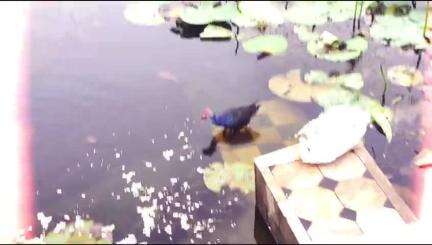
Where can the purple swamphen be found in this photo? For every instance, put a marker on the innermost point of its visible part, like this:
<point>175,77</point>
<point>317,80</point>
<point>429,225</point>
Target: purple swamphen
<point>232,120</point>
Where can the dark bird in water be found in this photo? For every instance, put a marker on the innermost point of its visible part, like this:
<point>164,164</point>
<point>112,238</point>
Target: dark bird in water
<point>232,120</point>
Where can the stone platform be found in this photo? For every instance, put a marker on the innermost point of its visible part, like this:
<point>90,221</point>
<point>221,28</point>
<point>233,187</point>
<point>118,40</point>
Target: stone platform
<point>344,201</point>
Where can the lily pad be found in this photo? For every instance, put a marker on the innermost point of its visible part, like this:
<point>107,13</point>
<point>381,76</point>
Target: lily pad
<point>242,177</point>
<point>335,95</point>
<point>307,13</point>
<point>383,116</point>
<point>88,233</point>
<point>404,76</point>
<point>350,80</point>
<point>144,13</point>
<point>329,47</point>
<point>215,177</point>
<point>262,11</point>
<point>272,44</point>
<point>400,31</point>
<point>291,87</point>
<point>207,12</point>
<point>305,33</point>
<point>215,32</point>
<point>316,77</point>
<point>320,12</point>
<point>242,20</point>
<point>235,175</point>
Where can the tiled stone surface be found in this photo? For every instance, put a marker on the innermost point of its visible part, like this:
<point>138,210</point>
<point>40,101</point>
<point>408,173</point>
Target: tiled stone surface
<point>360,193</point>
<point>330,203</point>
<point>344,168</point>
<point>296,176</point>
<point>315,204</point>
<point>371,220</point>
<point>322,231</point>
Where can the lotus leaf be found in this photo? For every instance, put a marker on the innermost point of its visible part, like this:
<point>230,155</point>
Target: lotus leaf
<point>329,47</point>
<point>400,30</point>
<point>207,12</point>
<point>262,11</point>
<point>217,32</point>
<point>304,33</point>
<point>236,175</point>
<point>350,80</point>
<point>144,13</point>
<point>404,76</point>
<point>272,44</point>
<point>320,12</point>
<point>291,87</point>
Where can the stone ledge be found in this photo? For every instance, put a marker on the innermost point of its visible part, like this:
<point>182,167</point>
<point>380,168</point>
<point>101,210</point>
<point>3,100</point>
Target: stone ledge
<point>342,201</point>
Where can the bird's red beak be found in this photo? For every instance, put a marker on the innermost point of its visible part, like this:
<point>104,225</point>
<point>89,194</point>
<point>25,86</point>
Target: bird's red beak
<point>206,114</point>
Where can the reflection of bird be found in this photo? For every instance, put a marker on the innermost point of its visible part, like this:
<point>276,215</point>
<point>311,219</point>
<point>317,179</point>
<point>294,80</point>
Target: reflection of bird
<point>234,119</point>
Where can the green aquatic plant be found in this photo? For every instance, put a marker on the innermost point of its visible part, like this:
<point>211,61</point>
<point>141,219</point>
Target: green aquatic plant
<point>312,13</point>
<point>215,32</point>
<point>144,13</point>
<point>399,31</point>
<point>329,47</point>
<point>271,44</point>
<point>350,80</point>
<point>404,76</point>
<point>262,12</point>
<point>206,12</point>
<point>237,175</point>
<point>305,33</point>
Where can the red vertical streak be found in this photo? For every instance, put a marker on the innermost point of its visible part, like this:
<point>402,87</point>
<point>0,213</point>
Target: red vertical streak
<point>23,118</point>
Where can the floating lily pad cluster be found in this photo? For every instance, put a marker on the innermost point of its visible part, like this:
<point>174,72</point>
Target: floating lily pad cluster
<point>329,47</point>
<point>311,13</point>
<point>237,175</point>
<point>330,92</point>
<point>209,20</point>
<point>397,24</point>
<point>396,8</point>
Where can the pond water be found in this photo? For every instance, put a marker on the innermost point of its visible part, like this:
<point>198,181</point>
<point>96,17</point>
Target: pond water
<point>107,98</point>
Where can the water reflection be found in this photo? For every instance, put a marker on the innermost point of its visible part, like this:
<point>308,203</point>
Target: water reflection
<point>244,136</point>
